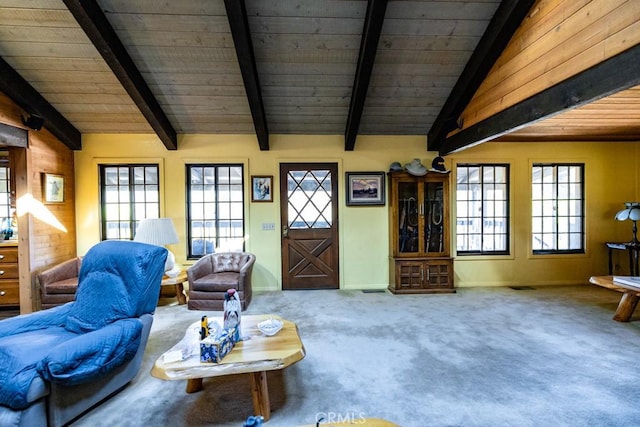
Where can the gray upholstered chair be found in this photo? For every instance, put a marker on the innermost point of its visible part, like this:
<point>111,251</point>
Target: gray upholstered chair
<point>58,363</point>
<point>212,275</point>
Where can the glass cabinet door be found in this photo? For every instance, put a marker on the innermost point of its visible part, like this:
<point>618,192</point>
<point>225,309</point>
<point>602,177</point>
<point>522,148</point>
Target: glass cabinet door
<point>408,217</point>
<point>434,238</point>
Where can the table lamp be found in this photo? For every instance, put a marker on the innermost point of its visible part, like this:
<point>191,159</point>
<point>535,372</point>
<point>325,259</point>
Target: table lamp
<point>160,232</point>
<point>632,212</point>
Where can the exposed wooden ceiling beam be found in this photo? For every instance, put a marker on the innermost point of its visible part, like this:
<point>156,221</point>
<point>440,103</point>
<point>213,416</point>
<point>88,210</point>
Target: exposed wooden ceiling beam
<point>12,136</point>
<point>503,25</point>
<point>368,46</point>
<point>22,93</point>
<point>102,35</point>
<point>606,78</point>
<point>237,16</point>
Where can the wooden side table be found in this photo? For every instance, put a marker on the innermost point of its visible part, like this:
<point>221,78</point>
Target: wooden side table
<point>178,282</point>
<point>632,248</point>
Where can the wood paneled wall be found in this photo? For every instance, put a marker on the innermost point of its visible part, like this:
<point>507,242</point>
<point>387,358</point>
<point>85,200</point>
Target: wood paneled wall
<point>48,244</point>
<point>557,40</point>
<point>40,245</point>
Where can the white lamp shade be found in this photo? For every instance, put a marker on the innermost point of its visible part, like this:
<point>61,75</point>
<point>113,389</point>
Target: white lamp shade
<point>632,212</point>
<point>159,232</point>
<point>156,231</point>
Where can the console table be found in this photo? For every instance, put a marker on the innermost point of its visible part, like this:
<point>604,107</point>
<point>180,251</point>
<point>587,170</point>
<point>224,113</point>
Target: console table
<point>632,248</point>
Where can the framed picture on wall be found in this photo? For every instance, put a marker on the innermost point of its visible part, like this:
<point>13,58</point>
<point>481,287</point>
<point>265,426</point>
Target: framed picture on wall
<point>261,188</point>
<point>53,188</point>
<point>365,189</point>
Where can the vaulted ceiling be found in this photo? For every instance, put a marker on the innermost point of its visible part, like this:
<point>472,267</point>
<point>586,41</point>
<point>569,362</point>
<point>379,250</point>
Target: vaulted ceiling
<point>348,67</point>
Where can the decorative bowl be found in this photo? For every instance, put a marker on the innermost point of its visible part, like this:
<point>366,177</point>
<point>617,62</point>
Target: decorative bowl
<point>270,326</point>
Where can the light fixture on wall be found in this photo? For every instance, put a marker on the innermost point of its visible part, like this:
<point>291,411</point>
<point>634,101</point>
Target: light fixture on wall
<point>160,232</point>
<point>631,212</point>
<point>34,122</point>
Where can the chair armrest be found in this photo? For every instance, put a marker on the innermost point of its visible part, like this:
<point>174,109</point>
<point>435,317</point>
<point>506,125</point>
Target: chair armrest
<point>244,280</point>
<point>201,268</point>
<point>93,354</point>
<point>246,268</point>
<point>56,316</point>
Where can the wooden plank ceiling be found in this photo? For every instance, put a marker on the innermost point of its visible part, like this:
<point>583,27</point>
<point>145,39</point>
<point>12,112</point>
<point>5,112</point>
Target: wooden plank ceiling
<point>302,67</point>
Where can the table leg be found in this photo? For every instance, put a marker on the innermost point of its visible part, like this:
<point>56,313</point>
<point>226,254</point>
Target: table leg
<point>182,299</point>
<point>260,394</point>
<point>626,307</point>
<point>610,251</point>
<point>194,385</point>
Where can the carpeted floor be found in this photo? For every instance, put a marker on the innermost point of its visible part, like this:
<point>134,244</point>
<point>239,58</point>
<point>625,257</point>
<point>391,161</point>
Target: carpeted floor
<point>551,356</point>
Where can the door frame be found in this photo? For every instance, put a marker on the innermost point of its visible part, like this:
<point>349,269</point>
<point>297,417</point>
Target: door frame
<point>335,165</point>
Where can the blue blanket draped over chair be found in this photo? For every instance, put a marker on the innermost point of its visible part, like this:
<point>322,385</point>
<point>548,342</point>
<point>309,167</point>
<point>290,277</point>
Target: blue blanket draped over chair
<point>82,341</point>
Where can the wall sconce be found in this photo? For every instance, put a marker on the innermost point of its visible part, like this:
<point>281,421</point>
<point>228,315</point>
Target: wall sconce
<point>632,212</point>
<point>34,122</point>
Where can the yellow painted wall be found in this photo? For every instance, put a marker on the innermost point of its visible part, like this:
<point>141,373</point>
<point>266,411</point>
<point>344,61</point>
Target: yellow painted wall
<point>611,179</point>
<point>363,230</point>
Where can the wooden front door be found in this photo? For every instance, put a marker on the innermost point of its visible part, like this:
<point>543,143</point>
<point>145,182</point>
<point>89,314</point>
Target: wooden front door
<point>309,225</point>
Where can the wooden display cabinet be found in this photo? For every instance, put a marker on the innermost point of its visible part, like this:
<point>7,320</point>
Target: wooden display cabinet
<point>419,233</point>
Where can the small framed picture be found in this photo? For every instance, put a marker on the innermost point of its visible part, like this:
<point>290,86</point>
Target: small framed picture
<point>53,188</point>
<point>261,188</point>
<point>365,189</point>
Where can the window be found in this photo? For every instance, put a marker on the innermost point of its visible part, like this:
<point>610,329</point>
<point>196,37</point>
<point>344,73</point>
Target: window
<point>215,209</point>
<point>309,199</point>
<point>482,209</point>
<point>5,192</point>
<point>128,194</point>
<point>557,208</point>
<point>7,218</point>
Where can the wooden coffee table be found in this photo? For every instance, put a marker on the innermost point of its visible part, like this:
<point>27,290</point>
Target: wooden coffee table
<point>628,301</point>
<point>254,355</point>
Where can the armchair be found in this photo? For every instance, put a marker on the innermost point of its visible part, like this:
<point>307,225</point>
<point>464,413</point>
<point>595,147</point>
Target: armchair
<point>211,276</point>
<point>58,363</point>
<point>59,283</point>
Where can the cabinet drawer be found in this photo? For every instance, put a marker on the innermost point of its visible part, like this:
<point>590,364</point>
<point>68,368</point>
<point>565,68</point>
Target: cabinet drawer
<point>9,292</point>
<point>8,271</point>
<point>9,254</point>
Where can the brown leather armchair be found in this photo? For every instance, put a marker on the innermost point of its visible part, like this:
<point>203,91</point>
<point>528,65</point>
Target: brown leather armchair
<point>211,276</point>
<point>59,283</point>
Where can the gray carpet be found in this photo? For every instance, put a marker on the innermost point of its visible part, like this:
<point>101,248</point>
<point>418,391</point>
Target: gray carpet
<point>482,357</point>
